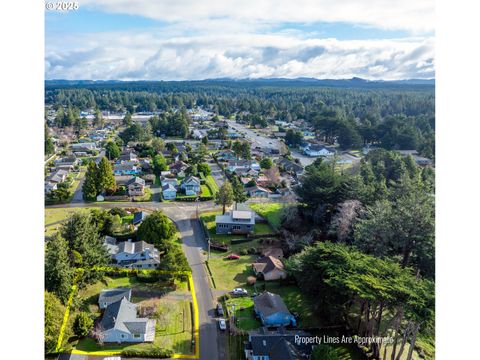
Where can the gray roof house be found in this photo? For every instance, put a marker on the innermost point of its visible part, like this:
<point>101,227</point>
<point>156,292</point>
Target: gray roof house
<point>235,222</point>
<point>269,268</point>
<point>133,254</point>
<point>120,324</point>
<point>272,311</point>
<point>110,296</point>
<point>276,345</point>
<point>191,185</point>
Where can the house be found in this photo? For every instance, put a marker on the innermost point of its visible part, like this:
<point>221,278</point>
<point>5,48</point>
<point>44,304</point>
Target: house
<point>84,147</point>
<point>164,180</point>
<point>315,150</point>
<point>110,296</point>
<point>273,252</point>
<point>272,311</point>
<point>120,324</point>
<point>257,191</point>
<point>226,155</point>
<point>66,161</point>
<point>130,254</point>
<point>262,181</point>
<point>277,345</point>
<point>169,191</point>
<point>178,168</point>
<point>49,187</point>
<point>269,268</point>
<point>235,222</point>
<point>128,156</point>
<point>191,185</point>
<point>58,176</point>
<point>138,217</point>
<point>246,165</point>
<point>290,166</point>
<point>126,168</point>
<point>136,186</point>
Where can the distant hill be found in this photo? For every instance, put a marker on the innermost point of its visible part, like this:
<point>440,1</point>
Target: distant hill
<point>261,82</point>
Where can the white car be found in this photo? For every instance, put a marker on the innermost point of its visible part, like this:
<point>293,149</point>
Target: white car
<point>239,292</point>
<point>222,324</point>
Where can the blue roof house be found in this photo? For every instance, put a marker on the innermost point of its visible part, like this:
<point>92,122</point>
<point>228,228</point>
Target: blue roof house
<point>272,311</point>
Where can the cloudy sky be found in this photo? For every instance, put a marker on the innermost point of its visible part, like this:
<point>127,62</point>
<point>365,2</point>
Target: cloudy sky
<point>200,39</point>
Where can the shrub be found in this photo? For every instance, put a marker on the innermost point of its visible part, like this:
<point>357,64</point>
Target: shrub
<point>251,280</point>
<point>82,324</point>
<point>118,211</point>
<point>252,251</point>
<point>244,252</point>
<point>154,352</point>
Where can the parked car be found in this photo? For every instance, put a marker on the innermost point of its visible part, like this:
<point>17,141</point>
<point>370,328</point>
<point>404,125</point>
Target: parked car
<point>233,257</point>
<point>222,324</point>
<point>220,309</point>
<point>239,292</point>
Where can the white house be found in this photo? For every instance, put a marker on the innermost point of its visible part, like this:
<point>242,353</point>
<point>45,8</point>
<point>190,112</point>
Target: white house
<point>315,150</point>
<point>120,324</point>
<point>133,254</point>
<point>169,191</point>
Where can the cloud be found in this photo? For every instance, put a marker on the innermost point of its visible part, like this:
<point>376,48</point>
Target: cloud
<point>412,15</point>
<point>152,55</point>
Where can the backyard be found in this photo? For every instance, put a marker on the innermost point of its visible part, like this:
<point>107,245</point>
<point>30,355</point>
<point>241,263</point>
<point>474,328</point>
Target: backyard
<point>270,211</point>
<point>173,313</point>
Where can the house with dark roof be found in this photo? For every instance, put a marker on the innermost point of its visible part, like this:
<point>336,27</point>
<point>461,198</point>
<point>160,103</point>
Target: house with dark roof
<point>290,166</point>
<point>110,296</point>
<point>277,345</point>
<point>272,311</point>
<point>178,168</point>
<point>128,156</point>
<point>133,254</point>
<point>269,268</point>
<point>138,217</point>
<point>169,191</point>
<point>120,324</point>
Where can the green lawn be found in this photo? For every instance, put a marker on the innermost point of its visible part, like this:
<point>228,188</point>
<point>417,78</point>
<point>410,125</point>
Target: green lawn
<point>173,331</point>
<point>270,211</point>
<point>244,313</point>
<point>210,181</point>
<point>54,218</point>
<point>229,274</point>
<point>205,190</point>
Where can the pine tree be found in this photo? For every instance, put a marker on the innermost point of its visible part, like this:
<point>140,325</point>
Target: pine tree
<point>105,178</point>
<point>58,273</point>
<point>224,195</point>
<point>90,188</point>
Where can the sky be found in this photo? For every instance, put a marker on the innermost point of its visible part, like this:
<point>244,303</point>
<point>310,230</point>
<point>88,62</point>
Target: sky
<point>206,39</point>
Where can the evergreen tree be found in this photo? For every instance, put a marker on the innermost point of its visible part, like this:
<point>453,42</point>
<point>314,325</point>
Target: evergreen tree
<point>82,324</point>
<point>54,311</point>
<point>58,273</point>
<point>239,194</point>
<point>90,184</point>
<point>105,178</point>
<point>224,195</point>
<point>127,119</point>
<point>112,151</point>
<point>157,229</point>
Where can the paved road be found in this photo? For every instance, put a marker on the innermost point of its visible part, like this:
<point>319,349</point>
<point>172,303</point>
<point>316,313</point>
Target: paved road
<point>257,139</point>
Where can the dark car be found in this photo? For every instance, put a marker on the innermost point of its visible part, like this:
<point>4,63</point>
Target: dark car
<point>220,309</point>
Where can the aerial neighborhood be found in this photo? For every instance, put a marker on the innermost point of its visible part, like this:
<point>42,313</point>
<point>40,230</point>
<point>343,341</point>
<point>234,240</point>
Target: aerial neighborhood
<point>243,219</point>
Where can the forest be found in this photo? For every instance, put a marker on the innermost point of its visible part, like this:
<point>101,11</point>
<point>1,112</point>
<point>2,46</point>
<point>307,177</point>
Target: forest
<point>392,115</point>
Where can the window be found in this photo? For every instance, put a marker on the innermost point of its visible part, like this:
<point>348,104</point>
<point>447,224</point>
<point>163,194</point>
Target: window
<point>136,336</point>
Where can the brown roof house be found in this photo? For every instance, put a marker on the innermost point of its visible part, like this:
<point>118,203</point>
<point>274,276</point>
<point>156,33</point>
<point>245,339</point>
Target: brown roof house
<point>269,268</point>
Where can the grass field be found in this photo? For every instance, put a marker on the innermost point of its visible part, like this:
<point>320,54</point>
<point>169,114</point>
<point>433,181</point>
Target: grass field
<point>210,181</point>
<point>55,217</point>
<point>229,274</point>
<point>244,313</point>
<point>270,211</point>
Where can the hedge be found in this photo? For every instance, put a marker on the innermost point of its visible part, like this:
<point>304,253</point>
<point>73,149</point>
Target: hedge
<point>239,241</point>
<point>155,352</point>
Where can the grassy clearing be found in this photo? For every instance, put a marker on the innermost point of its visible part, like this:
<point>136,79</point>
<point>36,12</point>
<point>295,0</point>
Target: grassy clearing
<point>205,190</point>
<point>270,211</point>
<point>244,313</point>
<point>55,217</point>
<point>210,182</point>
<point>229,274</point>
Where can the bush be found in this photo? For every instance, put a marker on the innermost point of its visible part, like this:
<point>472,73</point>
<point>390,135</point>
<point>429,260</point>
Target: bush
<point>244,252</point>
<point>118,211</point>
<point>82,324</point>
<point>252,251</point>
<point>154,352</point>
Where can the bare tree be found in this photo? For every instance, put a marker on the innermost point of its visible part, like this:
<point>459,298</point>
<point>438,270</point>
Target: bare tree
<point>98,333</point>
<point>344,219</point>
<point>273,176</point>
